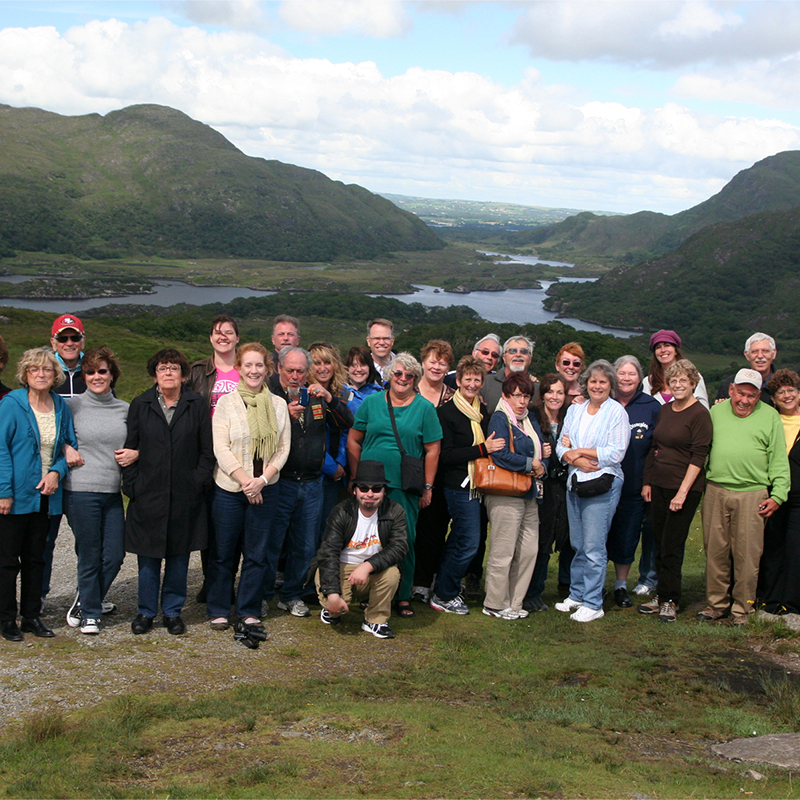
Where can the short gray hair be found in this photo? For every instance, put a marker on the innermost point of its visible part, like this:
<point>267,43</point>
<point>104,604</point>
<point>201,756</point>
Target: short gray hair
<point>517,338</point>
<point>623,360</point>
<point>285,351</point>
<point>407,362</point>
<point>490,337</point>
<point>604,368</point>
<point>683,367</point>
<point>759,337</point>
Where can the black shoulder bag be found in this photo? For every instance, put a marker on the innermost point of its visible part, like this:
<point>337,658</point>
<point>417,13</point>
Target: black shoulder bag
<point>412,470</point>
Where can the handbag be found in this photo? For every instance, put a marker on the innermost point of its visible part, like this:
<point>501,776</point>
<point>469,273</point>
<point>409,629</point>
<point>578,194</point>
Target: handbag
<point>594,487</point>
<point>491,479</point>
<point>412,470</point>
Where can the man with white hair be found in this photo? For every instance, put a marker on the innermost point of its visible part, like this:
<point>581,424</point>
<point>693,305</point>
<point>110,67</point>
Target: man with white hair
<point>487,349</point>
<point>517,355</point>
<point>760,351</point>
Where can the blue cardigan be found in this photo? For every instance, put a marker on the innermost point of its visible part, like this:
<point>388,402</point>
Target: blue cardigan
<point>521,460</point>
<point>20,456</point>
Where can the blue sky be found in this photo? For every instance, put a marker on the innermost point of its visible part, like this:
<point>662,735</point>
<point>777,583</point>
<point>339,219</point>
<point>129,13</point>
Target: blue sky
<point>605,105</point>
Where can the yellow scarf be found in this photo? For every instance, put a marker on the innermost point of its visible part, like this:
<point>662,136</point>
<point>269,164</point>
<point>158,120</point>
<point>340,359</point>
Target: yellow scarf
<point>261,418</point>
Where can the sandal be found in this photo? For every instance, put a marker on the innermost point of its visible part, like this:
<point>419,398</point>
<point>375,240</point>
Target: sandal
<point>404,609</point>
<point>220,624</point>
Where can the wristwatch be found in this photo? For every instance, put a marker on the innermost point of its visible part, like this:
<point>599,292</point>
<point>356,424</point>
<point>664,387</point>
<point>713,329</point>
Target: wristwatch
<point>429,486</point>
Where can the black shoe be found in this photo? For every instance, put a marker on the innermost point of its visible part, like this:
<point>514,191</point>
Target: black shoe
<point>36,627</point>
<point>174,625</point>
<point>141,624</point>
<point>9,630</point>
<point>622,598</point>
<point>534,604</point>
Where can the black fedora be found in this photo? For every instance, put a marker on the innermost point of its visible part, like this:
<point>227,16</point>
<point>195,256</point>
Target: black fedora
<point>370,472</point>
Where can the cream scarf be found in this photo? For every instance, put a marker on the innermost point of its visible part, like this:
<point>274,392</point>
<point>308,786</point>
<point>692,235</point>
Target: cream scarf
<point>261,418</point>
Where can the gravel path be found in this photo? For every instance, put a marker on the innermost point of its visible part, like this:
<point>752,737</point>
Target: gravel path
<point>75,670</point>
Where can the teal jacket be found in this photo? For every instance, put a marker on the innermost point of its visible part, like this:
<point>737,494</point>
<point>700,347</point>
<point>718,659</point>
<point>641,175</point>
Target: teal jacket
<point>20,457</point>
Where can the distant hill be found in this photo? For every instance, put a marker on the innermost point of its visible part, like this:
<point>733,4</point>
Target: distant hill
<point>149,179</point>
<point>723,283</point>
<point>772,184</point>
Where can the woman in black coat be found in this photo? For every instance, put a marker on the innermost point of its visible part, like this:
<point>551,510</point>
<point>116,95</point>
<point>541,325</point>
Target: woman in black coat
<point>170,427</point>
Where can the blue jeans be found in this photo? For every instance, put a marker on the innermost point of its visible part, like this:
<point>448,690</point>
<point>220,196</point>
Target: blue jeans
<point>98,524</point>
<point>626,528</point>
<point>462,543</point>
<point>173,588</point>
<point>237,521</point>
<point>589,522</point>
<point>296,518</point>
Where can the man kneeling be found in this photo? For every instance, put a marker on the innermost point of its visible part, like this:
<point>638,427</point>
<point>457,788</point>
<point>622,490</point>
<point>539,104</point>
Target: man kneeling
<point>364,542</point>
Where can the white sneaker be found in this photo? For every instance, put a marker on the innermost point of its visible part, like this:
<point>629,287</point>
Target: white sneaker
<point>454,606</point>
<point>90,626</point>
<point>297,608</point>
<point>642,589</point>
<point>74,613</point>
<point>584,614</point>
<point>570,604</point>
<point>501,613</point>
<point>522,613</point>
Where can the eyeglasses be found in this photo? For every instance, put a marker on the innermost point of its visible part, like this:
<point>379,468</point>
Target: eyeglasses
<point>168,368</point>
<point>489,353</point>
<point>34,370</point>
<point>69,337</point>
<point>678,381</point>
<point>523,351</point>
<point>364,487</point>
<point>101,371</point>
<point>786,391</point>
<point>568,363</point>
<point>520,396</point>
<point>400,374</point>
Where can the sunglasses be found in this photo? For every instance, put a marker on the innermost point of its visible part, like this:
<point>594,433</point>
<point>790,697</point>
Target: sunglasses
<point>364,487</point>
<point>523,351</point>
<point>399,374</point>
<point>568,363</point>
<point>489,353</point>
<point>102,371</point>
<point>68,337</point>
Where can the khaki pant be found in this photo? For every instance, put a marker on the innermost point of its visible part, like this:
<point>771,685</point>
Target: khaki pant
<point>733,533</point>
<point>513,547</point>
<point>378,591</point>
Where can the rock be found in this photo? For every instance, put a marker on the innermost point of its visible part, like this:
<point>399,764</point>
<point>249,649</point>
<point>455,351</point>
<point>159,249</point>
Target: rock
<point>753,775</point>
<point>779,749</point>
<point>4,320</point>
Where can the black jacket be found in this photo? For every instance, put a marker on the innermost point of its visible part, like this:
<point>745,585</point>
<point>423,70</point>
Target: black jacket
<point>339,531</point>
<point>457,448</point>
<point>202,377</point>
<point>308,433</point>
<point>167,515</point>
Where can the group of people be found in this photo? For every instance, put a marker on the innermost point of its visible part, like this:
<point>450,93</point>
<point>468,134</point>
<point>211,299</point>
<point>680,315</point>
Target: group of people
<point>385,479</point>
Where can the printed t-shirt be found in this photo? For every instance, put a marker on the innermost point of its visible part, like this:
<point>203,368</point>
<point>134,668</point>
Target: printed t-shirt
<point>225,383</point>
<point>365,541</point>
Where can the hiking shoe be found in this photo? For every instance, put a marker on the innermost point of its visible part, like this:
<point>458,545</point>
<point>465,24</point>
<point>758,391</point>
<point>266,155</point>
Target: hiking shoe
<point>74,613</point>
<point>420,594</point>
<point>642,589</point>
<point>501,613</point>
<point>652,606</point>
<point>535,604</point>
<point>668,612</point>
<point>108,607</point>
<point>709,614</point>
<point>740,619</point>
<point>472,587</point>
<point>379,630</point>
<point>585,614</point>
<point>90,626</point>
<point>570,604</point>
<point>297,608</point>
<point>328,619</point>
<point>454,606</point>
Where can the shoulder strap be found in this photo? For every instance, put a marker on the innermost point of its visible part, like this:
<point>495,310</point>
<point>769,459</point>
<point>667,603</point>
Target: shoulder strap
<point>394,424</point>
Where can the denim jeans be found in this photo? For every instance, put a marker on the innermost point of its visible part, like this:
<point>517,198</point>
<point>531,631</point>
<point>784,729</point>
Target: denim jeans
<point>462,543</point>
<point>98,524</point>
<point>172,589</point>
<point>238,522</point>
<point>296,519</point>
<point>589,523</point>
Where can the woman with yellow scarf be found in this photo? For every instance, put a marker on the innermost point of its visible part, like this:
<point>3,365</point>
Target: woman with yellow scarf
<point>251,443</point>
<point>464,423</point>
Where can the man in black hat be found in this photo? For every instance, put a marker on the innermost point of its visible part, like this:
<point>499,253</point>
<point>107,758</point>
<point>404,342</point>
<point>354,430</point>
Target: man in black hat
<point>364,543</point>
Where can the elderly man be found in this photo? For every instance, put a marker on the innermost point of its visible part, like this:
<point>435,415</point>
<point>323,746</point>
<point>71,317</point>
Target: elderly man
<point>517,354</point>
<point>300,485</point>
<point>68,339</point>
<point>747,479</point>
<point>285,333</point>
<point>760,351</point>
<point>380,339</point>
<point>487,350</point>
<point>363,546</point>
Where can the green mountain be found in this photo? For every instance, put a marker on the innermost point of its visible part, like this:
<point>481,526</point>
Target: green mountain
<point>148,179</point>
<point>723,283</point>
<point>772,184</point>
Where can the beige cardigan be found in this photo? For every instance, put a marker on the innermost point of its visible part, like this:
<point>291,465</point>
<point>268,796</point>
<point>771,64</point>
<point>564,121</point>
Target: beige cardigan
<point>233,445</point>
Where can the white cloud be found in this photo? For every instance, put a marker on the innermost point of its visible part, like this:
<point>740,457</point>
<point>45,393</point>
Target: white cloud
<point>377,18</point>
<point>424,131</point>
<point>236,14</point>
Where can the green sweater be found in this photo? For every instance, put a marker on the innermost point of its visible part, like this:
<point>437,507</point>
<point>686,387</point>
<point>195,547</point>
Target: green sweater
<point>749,453</point>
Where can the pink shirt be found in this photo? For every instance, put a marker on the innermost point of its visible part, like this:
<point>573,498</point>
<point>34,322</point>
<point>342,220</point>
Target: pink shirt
<point>225,383</point>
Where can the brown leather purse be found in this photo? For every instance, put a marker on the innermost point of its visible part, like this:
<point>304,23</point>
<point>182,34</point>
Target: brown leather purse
<point>491,479</point>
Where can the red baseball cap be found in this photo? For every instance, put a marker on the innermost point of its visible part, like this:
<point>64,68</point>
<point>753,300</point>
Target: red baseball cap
<point>67,321</point>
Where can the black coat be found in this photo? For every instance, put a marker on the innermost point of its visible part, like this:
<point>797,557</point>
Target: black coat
<point>167,514</point>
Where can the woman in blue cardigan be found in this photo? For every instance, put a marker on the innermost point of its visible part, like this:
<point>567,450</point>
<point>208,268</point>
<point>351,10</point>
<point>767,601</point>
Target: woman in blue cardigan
<point>35,424</point>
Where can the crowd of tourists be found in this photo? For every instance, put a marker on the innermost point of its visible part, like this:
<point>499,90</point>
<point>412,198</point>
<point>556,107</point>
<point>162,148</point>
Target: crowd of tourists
<point>383,480</point>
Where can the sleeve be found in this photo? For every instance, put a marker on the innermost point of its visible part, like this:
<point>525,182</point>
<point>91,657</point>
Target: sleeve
<point>778,461</point>
<point>130,473</point>
<point>397,544</point>
<point>278,458</point>
<point>8,428</point>
<point>450,455</point>
<point>339,415</point>
<point>566,430</point>
<point>205,461</point>
<point>221,436</point>
<point>701,432</point>
<point>66,435</point>
<point>618,435</point>
<point>701,393</point>
<point>505,457</point>
<point>329,551</point>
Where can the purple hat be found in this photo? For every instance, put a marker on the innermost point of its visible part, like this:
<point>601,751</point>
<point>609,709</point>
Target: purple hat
<point>668,337</point>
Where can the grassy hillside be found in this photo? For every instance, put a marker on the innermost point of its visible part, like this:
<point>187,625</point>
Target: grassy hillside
<point>772,184</point>
<point>149,180</point>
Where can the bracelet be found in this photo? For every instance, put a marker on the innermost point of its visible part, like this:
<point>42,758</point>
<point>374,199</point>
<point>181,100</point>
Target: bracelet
<point>263,478</point>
